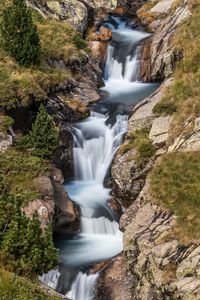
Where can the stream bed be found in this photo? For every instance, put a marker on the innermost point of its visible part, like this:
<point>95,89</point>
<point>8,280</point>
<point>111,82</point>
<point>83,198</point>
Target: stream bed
<point>96,141</point>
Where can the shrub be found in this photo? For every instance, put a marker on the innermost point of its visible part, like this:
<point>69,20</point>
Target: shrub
<point>43,139</point>
<point>139,140</point>
<point>24,247</point>
<point>20,36</point>
<point>19,168</point>
<point>164,108</point>
<point>79,42</point>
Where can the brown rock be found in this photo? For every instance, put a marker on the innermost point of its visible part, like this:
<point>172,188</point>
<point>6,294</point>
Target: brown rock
<point>44,185</point>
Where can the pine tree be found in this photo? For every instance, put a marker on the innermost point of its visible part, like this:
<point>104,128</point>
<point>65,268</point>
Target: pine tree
<point>19,34</point>
<point>44,135</point>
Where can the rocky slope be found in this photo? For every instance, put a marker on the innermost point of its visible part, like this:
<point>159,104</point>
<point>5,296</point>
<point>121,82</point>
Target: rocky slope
<point>159,264</point>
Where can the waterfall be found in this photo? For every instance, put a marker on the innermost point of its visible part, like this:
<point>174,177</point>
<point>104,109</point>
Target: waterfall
<point>83,287</point>
<point>51,278</point>
<point>96,141</point>
<point>95,146</point>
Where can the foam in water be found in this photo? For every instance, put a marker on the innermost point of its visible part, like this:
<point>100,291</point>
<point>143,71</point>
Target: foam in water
<point>95,144</point>
<point>83,287</point>
<point>51,278</point>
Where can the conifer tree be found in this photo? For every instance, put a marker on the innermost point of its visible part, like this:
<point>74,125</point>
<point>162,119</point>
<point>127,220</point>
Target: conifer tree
<point>44,135</point>
<point>19,35</point>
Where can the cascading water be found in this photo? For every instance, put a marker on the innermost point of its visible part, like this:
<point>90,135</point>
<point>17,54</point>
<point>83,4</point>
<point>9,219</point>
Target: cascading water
<point>96,141</point>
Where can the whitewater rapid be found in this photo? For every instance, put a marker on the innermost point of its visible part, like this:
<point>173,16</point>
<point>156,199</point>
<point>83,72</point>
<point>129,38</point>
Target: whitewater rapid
<point>96,141</point>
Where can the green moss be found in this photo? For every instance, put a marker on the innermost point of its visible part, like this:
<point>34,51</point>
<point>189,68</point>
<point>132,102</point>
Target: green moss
<point>175,184</point>
<point>19,169</point>
<point>140,141</point>
<point>164,108</point>
<point>18,288</point>
<point>5,123</point>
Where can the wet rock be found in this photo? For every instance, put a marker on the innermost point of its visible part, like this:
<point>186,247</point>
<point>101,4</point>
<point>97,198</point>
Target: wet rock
<point>131,6</point>
<point>114,282</point>
<point>66,216</point>
<point>160,131</point>
<point>63,158</point>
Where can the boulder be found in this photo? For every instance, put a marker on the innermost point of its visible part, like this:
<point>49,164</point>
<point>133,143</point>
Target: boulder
<point>159,132</point>
<point>6,141</point>
<point>44,186</point>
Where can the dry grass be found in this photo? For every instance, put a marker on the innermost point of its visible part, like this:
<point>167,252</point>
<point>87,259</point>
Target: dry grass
<point>175,185</point>
<point>13,287</point>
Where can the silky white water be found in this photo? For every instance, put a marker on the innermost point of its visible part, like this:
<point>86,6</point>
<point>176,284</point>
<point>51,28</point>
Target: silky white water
<point>96,141</point>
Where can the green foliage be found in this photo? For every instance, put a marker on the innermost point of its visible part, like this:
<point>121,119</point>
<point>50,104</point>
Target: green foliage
<point>24,247</point>
<point>19,168</point>
<point>139,140</point>
<point>164,108</point>
<point>19,34</point>
<point>43,139</point>
<point>79,42</point>
<point>13,287</point>
<point>5,123</point>
<point>175,184</point>
<point>19,85</point>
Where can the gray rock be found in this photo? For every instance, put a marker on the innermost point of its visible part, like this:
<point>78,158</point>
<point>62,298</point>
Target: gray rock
<point>160,131</point>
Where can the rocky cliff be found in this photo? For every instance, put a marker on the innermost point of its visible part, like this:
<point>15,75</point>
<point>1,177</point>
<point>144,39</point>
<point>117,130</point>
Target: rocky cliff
<point>161,245</point>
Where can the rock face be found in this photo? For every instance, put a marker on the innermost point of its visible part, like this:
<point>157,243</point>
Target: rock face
<point>158,55</point>
<point>161,267</point>
<point>77,13</point>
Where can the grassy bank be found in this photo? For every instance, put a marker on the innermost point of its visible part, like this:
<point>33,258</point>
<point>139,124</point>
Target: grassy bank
<point>13,287</point>
<point>175,185</point>
<point>19,85</point>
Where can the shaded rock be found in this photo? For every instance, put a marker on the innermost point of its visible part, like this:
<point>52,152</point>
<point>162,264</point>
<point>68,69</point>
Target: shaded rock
<point>114,282</point>
<point>66,216</point>
<point>159,132</point>
<point>44,186</point>
<point>128,179</point>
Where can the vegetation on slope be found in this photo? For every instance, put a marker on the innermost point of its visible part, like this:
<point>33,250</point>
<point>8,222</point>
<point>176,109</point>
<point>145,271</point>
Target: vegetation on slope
<point>13,287</point>
<point>175,185</point>
<point>139,140</point>
<point>182,98</point>
<point>20,85</point>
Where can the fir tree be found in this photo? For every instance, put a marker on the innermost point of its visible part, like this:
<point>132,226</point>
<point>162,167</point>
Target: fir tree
<point>19,34</point>
<point>44,135</point>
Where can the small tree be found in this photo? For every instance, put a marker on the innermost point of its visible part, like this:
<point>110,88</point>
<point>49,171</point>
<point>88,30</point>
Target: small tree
<point>44,135</point>
<point>19,34</point>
